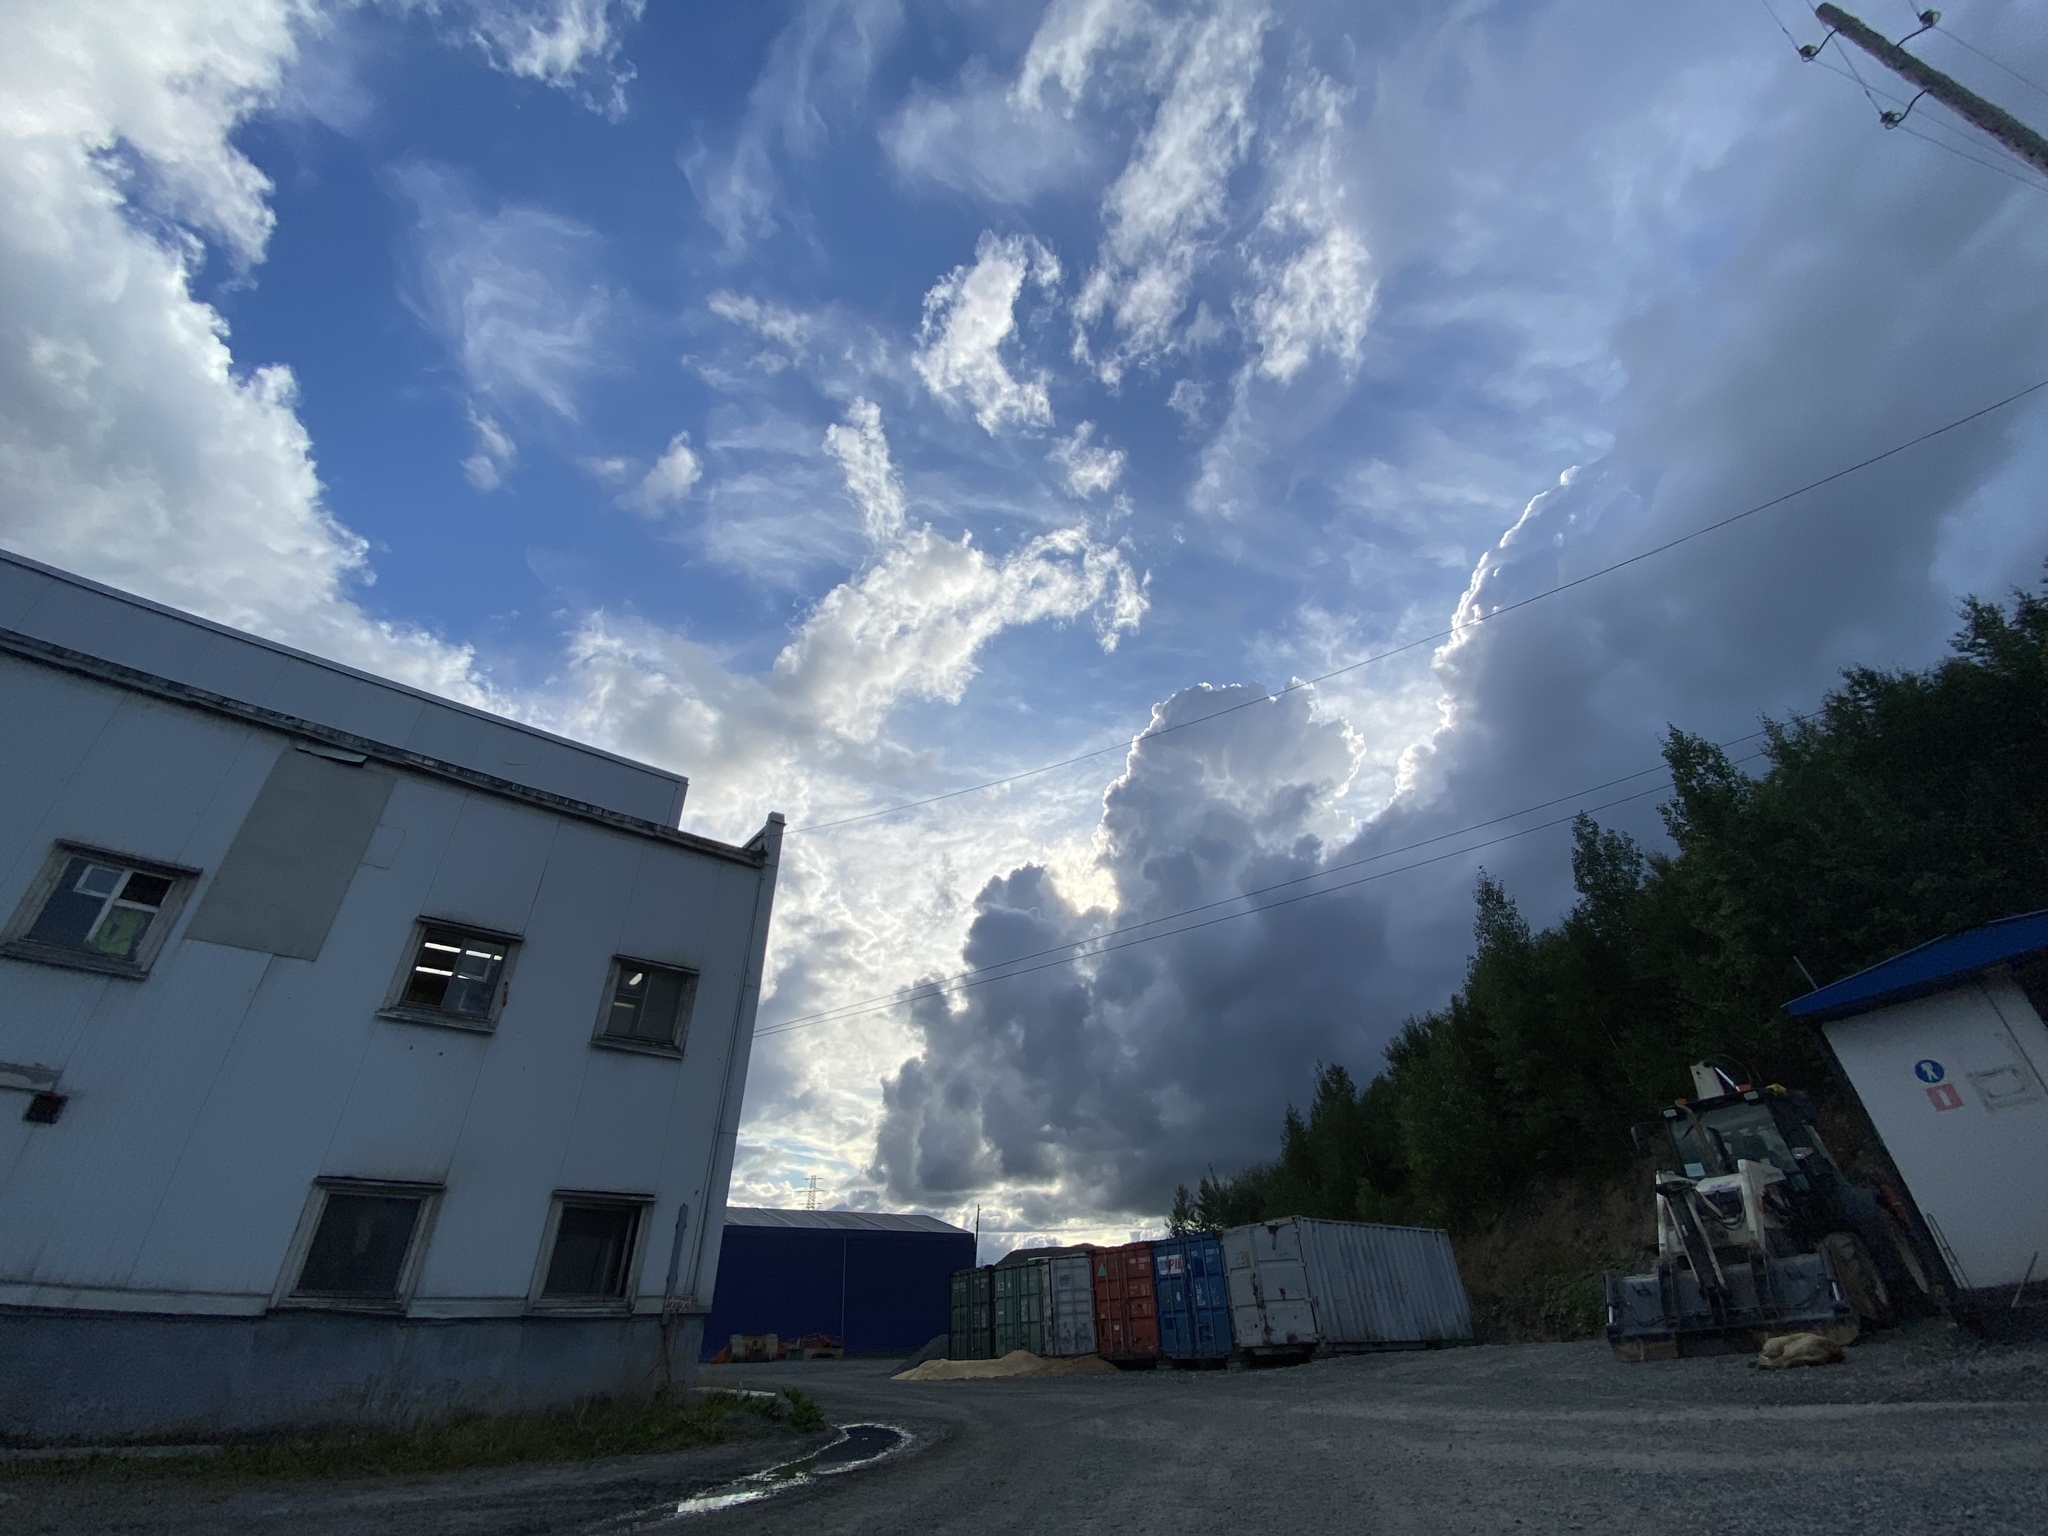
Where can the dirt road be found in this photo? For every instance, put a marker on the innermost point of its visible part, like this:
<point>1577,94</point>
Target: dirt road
<point>1919,1433</point>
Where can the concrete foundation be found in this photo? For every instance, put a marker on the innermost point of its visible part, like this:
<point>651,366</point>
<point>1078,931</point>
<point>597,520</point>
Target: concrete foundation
<point>96,1376</point>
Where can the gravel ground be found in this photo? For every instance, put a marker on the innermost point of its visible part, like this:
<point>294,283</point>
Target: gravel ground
<point>1917,1432</point>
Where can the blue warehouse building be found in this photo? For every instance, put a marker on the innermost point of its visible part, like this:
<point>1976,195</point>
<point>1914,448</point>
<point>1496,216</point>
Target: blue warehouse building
<point>876,1280</point>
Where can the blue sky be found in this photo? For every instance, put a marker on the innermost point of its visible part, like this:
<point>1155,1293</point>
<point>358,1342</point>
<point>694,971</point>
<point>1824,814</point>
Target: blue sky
<point>847,402</point>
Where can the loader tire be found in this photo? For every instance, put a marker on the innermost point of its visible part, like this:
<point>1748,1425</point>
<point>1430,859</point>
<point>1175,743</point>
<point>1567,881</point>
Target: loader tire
<point>1849,1261</point>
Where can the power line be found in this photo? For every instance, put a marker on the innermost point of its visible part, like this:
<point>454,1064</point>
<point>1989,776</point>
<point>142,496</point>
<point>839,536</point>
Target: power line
<point>2025,175</point>
<point>1445,634</point>
<point>977,977</point>
<point>1988,59</point>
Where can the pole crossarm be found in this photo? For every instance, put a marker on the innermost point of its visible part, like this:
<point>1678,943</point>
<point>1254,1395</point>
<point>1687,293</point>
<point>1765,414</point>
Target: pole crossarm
<point>1991,118</point>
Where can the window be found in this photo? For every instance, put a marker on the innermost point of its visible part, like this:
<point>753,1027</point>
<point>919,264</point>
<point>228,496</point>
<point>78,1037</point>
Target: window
<point>99,911</point>
<point>590,1251</point>
<point>454,976</point>
<point>363,1244</point>
<point>647,1005</point>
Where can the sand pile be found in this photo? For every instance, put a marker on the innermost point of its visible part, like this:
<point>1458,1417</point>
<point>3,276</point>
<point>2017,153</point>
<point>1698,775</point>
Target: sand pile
<point>1019,1362</point>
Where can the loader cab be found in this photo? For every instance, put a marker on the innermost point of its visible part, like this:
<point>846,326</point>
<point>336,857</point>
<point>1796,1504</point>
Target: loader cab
<point>1708,1137</point>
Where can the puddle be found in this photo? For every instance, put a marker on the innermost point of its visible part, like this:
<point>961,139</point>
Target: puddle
<point>861,1445</point>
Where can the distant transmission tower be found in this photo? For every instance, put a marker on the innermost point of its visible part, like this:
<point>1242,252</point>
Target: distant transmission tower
<point>811,1194</point>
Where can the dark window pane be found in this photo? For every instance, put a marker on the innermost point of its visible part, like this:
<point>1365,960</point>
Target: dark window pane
<point>360,1248</point>
<point>455,973</point>
<point>592,1244</point>
<point>650,1003</point>
<point>68,916</point>
<point>146,890</point>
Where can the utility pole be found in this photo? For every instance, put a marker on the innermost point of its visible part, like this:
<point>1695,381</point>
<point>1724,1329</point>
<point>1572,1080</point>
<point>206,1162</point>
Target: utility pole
<point>1994,120</point>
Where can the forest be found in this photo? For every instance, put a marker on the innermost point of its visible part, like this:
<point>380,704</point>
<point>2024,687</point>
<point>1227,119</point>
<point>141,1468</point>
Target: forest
<point>1909,805</point>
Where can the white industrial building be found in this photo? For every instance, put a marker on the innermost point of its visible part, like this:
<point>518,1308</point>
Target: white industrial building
<point>1945,1048</point>
<point>363,1056</point>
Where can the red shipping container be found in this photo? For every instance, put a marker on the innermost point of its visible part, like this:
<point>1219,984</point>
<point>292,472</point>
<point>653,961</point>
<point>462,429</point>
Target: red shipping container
<point>1126,1312</point>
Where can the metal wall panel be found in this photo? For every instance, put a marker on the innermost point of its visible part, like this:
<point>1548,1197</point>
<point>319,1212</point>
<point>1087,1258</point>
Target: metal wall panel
<point>1344,1284</point>
<point>883,1293</point>
<point>1020,1296</point>
<point>1954,1083</point>
<point>283,878</point>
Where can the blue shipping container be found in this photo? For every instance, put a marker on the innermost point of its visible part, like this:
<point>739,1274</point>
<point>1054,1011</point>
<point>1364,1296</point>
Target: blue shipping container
<point>879,1282</point>
<point>1194,1298</point>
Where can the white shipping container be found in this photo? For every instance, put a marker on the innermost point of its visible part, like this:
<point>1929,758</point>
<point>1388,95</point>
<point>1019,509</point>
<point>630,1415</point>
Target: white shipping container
<point>1342,1285</point>
<point>1070,1305</point>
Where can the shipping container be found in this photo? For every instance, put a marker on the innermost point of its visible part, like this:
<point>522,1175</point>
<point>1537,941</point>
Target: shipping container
<point>1070,1312</point>
<point>972,1334</point>
<point>1302,1286</point>
<point>1020,1294</point>
<point>1126,1315</point>
<point>1193,1298</point>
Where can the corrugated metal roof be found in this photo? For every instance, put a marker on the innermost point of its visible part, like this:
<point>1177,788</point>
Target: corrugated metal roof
<point>1928,968</point>
<point>838,1221</point>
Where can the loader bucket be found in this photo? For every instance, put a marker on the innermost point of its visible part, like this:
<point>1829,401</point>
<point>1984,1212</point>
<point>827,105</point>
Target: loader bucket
<point>1666,1314</point>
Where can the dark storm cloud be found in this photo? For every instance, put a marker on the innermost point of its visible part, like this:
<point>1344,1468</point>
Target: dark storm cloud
<point>1826,303</point>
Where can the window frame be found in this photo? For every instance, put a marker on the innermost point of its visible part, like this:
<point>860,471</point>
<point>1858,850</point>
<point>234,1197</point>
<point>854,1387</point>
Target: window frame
<point>675,1048</point>
<point>15,944</point>
<point>640,1204</point>
<point>287,1294</point>
<point>397,1009</point>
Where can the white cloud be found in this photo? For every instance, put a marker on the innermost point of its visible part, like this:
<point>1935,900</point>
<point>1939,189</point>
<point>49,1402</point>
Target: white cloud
<point>132,448</point>
<point>1168,204</point>
<point>988,139</point>
<point>1070,37</point>
<point>666,484</point>
<point>863,454</point>
<point>494,456</point>
<point>516,298</point>
<point>568,44</point>
<point>1090,468</point>
<point>968,315</point>
<point>772,322</point>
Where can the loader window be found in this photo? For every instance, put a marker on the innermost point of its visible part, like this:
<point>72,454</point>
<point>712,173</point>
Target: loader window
<point>1748,1130</point>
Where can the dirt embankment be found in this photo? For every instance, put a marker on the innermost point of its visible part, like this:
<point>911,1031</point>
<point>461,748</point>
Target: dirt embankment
<point>1532,1268</point>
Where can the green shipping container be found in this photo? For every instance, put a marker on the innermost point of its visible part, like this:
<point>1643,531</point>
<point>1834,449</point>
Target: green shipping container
<point>1020,1307</point>
<point>971,1335</point>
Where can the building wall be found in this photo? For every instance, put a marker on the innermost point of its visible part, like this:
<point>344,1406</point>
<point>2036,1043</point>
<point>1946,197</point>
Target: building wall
<point>205,1100</point>
<point>881,1292</point>
<point>1954,1084</point>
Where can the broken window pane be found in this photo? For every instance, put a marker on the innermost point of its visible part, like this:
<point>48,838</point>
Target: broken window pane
<point>102,908</point>
<point>650,1003</point>
<point>455,972</point>
<point>592,1245</point>
<point>359,1250</point>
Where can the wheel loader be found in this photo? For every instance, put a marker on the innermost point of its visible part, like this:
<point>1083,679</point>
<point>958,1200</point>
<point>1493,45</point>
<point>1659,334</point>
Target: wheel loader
<point>1759,1231</point>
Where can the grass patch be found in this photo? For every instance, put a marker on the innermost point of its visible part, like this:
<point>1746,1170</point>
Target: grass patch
<point>597,1429</point>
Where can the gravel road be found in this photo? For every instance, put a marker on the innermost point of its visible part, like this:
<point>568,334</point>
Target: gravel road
<point>1916,1432</point>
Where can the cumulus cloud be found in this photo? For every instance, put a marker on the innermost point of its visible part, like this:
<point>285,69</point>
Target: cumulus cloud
<point>132,447</point>
<point>968,315</point>
<point>1105,1081</point>
<point>1696,294</point>
<point>1091,468</point>
<point>668,481</point>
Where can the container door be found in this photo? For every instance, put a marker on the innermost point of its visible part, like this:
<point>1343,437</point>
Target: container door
<point>1073,1304</point>
<point>1140,1303</point>
<point>1282,1281</point>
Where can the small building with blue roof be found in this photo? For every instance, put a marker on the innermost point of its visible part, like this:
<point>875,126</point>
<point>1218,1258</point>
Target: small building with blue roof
<point>1945,1047</point>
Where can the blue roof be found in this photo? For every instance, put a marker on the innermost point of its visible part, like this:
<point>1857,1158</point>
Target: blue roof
<point>1929,968</point>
